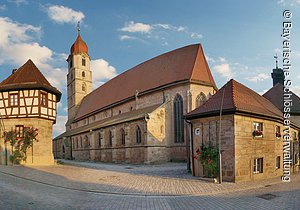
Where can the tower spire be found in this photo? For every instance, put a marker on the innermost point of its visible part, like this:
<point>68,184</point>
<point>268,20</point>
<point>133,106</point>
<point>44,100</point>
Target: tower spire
<point>78,27</point>
<point>276,59</point>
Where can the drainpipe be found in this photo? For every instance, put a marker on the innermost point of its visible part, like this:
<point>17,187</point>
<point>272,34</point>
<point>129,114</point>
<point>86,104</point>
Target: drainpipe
<point>190,140</point>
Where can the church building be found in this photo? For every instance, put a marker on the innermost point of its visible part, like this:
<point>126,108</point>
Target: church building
<point>27,99</point>
<point>136,117</point>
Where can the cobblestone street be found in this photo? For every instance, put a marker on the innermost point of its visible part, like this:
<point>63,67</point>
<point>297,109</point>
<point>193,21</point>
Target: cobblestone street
<point>82,185</point>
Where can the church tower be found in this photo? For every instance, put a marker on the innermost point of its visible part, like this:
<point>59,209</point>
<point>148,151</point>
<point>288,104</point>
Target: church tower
<point>79,78</point>
<point>277,74</point>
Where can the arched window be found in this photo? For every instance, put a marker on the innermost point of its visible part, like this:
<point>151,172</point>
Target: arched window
<point>123,137</point>
<point>83,74</point>
<point>201,98</point>
<point>138,135</point>
<point>178,119</point>
<point>83,87</point>
<point>110,137</point>
<point>87,141</point>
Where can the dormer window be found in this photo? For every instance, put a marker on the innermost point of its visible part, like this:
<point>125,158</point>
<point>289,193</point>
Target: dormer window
<point>14,99</point>
<point>83,61</point>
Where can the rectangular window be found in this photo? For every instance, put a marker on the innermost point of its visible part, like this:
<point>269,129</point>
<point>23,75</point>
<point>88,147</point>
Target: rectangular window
<point>14,99</point>
<point>83,62</point>
<point>277,162</point>
<point>257,129</point>
<point>43,99</point>
<point>258,165</point>
<point>277,132</point>
<point>20,131</point>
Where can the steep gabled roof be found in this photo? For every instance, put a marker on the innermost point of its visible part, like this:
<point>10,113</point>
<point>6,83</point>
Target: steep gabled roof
<point>275,95</point>
<point>237,98</point>
<point>180,65</point>
<point>28,76</point>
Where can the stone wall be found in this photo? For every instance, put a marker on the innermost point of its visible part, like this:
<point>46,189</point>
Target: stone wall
<point>158,146</point>
<point>42,150</point>
<point>247,148</point>
<point>205,132</point>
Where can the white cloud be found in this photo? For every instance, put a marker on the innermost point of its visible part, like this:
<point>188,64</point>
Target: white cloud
<point>17,45</point>
<point>101,71</point>
<point>3,7</point>
<point>133,27</point>
<point>154,31</point>
<point>18,2</point>
<point>59,126</point>
<point>259,77</point>
<point>289,2</point>
<point>61,14</point>
<point>224,70</point>
<point>196,36</point>
<point>126,37</point>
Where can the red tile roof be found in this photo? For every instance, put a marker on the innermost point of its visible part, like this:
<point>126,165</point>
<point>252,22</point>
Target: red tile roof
<point>183,64</point>
<point>28,76</point>
<point>237,98</point>
<point>275,95</point>
<point>79,46</point>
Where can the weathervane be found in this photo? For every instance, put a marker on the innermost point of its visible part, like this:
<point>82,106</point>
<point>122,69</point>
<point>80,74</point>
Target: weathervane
<point>276,57</point>
<point>78,27</point>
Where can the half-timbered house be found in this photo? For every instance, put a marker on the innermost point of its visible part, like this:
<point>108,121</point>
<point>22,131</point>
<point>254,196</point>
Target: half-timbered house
<point>27,99</point>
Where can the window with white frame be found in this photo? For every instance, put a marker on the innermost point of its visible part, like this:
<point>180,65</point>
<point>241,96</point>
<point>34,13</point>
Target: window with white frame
<point>257,129</point>
<point>277,162</point>
<point>258,165</point>
<point>14,99</point>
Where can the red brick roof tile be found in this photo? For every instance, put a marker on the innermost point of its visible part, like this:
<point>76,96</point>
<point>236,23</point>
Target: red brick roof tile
<point>183,64</point>
<point>237,98</point>
<point>28,76</point>
<point>275,95</point>
<point>79,46</point>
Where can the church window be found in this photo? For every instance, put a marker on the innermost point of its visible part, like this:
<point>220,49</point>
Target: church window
<point>178,119</point>
<point>110,137</point>
<point>201,98</point>
<point>43,99</point>
<point>83,61</point>
<point>20,131</point>
<point>83,74</point>
<point>80,141</point>
<point>14,99</point>
<point>138,135</point>
<point>123,136</point>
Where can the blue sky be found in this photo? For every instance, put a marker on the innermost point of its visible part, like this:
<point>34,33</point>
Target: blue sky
<point>239,38</point>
